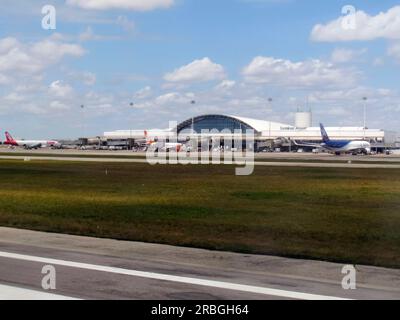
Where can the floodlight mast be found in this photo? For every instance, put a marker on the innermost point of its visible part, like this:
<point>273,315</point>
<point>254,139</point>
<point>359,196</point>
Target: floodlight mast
<point>365,99</point>
<point>270,100</point>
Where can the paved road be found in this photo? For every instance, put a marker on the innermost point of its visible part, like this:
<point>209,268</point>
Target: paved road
<point>88,268</point>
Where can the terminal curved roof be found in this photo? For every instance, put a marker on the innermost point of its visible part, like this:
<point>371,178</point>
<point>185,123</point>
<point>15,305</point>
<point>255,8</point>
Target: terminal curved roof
<point>232,122</point>
<point>262,125</point>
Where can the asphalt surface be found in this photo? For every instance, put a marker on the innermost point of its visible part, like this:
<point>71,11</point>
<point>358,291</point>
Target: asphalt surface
<point>239,162</point>
<point>278,156</point>
<point>89,268</point>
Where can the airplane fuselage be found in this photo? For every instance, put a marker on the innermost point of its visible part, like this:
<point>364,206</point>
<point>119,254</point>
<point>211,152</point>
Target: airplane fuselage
<point>344,146</point>
<point>168,146</point>
<point>32,144</point>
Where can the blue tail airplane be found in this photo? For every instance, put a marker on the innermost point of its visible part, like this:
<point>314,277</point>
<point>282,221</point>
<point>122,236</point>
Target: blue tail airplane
<point>340,146</point>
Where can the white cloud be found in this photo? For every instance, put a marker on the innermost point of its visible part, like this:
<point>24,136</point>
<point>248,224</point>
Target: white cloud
<point>80,77</point>
<point>341,55</point>
<point>59,106</point>
<point>52,51</point>
<point>135,5</point>
<point>197,71</point>
<point>173,97</point>
<point>394,51</point>
<point>33,108</point>
<point>28,60</point>
<point>88,78</point>
<point>241,102</point>
<point>6,44</point>
<point>22,66</point>
<point>60,89</point>
<point>335,106</point>
<point>143,93</point>
<point>351,96</point>
<point>15,57</point>
<point>125,23</point>
<point>167,100</point>
<point>225,85</point>
<point>384,25</point>
<point>103,104</point>
<point>87,35</point>
<point>4,79</point>
<point>339,111</point>
<point>378,62</point>
<point>90,35</point>
<point>14,97</point>
<point>310,73</point>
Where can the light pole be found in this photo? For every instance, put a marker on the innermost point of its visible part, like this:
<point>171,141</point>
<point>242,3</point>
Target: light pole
<point>83,123</point>
<point>270,100</point>
<point>365,99</point>
<point>131,104</point>
<point>193,102</point>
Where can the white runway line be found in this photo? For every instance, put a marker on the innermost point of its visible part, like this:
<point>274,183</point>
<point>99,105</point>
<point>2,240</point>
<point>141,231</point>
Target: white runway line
<point>13,293</point>
<point>177,279</point>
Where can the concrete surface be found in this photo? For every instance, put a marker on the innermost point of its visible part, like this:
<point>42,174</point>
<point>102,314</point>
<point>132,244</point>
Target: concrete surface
<point>89,268</point>
<point>322,164</point>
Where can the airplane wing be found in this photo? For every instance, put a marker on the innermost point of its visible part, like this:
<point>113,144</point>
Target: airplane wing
<point>311,145</point>
<point>34,146</point>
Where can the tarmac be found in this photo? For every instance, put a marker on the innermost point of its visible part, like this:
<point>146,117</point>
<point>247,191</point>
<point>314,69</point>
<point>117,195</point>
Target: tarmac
<point>90,268</point>
<point>350,164</point>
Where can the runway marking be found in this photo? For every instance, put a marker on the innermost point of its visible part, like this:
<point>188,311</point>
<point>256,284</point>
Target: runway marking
<point>170,278</point>
<point>13,293</point>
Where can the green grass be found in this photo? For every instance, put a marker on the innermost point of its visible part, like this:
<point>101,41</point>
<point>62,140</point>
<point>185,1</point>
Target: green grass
<point>343,215</point>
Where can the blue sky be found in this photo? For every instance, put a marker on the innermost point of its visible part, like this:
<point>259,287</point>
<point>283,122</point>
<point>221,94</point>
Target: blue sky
<point>229,56</point>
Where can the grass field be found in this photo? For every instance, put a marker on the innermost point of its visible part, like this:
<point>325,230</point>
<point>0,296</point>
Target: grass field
<point>344,215</point>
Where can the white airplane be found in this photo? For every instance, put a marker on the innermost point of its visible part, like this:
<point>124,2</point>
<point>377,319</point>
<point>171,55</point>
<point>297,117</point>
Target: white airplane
<point>340,146</point>
<point>163,146</point>
<point>29,144</point>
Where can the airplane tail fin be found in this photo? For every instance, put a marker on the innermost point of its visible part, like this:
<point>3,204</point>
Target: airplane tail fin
<point>9,138</point>
<point>324,134</point>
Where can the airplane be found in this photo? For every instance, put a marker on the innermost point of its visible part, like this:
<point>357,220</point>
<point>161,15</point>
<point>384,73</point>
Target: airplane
<point>340,146</point>
<point>163,146</point>
<point>29,144</point>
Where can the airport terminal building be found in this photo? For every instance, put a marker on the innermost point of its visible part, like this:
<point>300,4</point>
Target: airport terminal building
<point>268,134</point>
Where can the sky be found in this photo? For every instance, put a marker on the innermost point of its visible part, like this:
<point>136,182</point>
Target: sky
<point>139,64</point>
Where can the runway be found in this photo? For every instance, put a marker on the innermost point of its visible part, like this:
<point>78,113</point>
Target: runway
<point>317,164</point>
<point>274,156</point>
<point>89,268</point>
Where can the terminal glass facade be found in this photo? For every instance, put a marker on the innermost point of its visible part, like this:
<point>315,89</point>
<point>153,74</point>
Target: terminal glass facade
<point>212,122</point>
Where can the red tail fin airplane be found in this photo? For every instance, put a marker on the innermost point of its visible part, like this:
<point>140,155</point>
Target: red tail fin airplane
<point>29,144</point>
